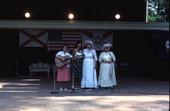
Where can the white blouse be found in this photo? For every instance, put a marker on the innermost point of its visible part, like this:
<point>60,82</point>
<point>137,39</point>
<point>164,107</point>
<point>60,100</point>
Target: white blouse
<point>108,56</point>
<point>78,53</point>
<point>90,54</point>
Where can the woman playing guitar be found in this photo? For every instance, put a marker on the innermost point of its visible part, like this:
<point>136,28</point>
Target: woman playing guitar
<point>63,73</point>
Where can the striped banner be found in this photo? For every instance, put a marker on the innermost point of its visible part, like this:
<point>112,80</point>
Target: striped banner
<point>67,37</point>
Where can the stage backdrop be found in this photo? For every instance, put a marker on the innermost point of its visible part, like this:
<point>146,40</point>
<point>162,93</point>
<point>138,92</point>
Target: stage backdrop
<point>58,38</point>
<point>55,39</point>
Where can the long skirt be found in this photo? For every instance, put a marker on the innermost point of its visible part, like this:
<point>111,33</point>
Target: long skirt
<point>63,74</point>
<point>89,77</point>
<point>107,76</point>
<point>77,70</point>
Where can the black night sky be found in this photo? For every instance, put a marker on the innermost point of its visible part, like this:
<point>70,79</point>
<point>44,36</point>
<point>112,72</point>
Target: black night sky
<point>84,10</point>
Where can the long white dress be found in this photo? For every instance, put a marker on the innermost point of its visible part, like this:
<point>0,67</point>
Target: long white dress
<point>89,77</point>
<point>107,76</point>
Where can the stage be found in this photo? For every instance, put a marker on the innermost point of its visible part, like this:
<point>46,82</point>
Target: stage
<point>132,94</point>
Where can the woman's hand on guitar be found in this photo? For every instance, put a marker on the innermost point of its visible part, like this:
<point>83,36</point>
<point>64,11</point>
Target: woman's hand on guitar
<point>68,61</point>
<point>63,59</point>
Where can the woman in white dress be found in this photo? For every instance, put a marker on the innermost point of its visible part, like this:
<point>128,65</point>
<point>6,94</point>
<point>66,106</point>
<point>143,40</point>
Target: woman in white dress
<point>107,76</point>
<point>89,77</point>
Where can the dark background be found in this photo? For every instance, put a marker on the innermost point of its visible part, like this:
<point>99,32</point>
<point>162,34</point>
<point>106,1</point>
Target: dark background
<point>90,10</point>
<point>127,46</point>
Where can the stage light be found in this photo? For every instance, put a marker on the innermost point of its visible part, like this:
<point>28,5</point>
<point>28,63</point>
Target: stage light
<point>27,15</point>
<point>71,16</point>
<point>117,16</point>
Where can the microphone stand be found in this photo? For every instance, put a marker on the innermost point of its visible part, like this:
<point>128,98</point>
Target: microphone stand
<point>54,90</point>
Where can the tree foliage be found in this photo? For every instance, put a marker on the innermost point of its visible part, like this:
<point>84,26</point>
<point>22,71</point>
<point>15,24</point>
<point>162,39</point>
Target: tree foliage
<point>158,11</point>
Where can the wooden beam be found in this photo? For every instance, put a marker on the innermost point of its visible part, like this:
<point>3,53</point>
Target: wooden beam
<point>82,25</point>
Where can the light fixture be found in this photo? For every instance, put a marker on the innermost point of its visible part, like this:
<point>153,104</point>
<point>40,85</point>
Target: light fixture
<point>71,16</point>
<point>117,16</point>
<point>27,15</point>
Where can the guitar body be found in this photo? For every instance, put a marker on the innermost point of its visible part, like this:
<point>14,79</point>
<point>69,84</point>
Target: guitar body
<point>60,63</point>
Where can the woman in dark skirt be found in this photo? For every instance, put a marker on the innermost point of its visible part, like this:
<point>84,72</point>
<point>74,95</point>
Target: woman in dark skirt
<point>76,69</point>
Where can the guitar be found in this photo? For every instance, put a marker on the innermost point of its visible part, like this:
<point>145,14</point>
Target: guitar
<point>60,63</point>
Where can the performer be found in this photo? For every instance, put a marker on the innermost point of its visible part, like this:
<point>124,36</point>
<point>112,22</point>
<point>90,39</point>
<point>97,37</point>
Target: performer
<point>89,78</point>
<point>107,76</point>
<point>77,65</point>
<point>63,75</point>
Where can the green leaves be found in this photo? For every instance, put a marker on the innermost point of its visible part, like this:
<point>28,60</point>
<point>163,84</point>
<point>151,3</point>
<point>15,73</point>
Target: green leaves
<point>158,11</point>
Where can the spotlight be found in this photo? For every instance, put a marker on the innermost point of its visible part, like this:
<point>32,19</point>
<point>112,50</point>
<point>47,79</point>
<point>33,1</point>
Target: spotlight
<point>27,15</point>
<point>71,16</point>
<point>117,16</point>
